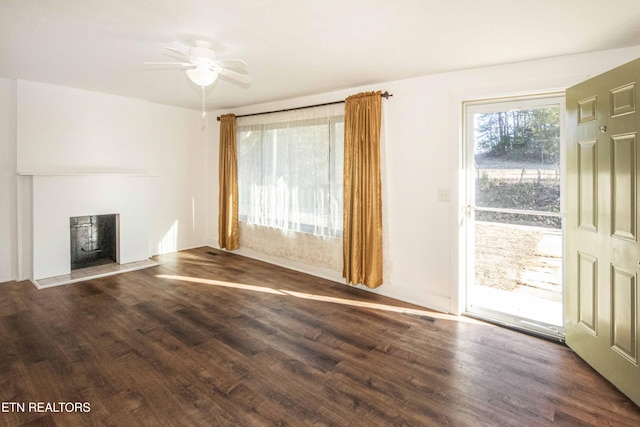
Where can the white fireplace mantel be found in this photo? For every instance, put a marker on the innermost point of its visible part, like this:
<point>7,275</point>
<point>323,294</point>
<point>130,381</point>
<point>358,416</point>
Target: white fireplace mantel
<point>59,196</point>
<point>84,173</point>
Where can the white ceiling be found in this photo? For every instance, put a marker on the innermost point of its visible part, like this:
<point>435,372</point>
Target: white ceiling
<point>293,47</point>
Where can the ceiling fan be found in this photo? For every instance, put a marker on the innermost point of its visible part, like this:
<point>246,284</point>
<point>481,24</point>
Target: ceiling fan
<point>202,67</point>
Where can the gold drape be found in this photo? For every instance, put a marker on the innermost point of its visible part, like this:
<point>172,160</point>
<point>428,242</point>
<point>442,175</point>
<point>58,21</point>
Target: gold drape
<point>362,190</point>
<point>228,234</point>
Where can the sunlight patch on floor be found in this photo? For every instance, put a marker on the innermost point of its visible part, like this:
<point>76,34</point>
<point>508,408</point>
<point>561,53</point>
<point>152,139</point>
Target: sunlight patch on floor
<point>316,297</point>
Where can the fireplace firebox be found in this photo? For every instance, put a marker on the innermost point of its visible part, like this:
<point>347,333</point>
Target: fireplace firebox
<point>94,240</point>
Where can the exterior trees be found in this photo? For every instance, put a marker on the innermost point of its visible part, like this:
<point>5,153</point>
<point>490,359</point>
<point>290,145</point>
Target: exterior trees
<point>530,135</point>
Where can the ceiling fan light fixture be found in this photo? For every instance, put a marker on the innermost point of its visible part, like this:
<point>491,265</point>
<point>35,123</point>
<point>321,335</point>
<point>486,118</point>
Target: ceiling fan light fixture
<point>202,76</point>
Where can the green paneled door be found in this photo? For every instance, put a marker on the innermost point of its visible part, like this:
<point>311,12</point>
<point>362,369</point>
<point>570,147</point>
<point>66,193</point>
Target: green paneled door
<point>603,252</point>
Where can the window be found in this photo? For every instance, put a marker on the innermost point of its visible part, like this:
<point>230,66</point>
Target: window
<point>290,170</point>
<point>517,161</point>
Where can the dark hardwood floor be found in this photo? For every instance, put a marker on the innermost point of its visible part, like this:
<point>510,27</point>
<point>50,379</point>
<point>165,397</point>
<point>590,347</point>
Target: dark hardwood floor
<point>218,339</point>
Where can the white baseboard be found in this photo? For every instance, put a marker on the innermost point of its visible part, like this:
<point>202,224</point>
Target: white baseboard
<point>186,248</point>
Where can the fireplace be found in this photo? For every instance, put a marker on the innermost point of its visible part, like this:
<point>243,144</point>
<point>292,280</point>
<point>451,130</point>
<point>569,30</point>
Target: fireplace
<point>57,198</point>
<point>94,240</point>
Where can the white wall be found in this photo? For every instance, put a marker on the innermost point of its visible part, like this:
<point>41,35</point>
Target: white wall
<point>8,181</point>
<point>63,132</point>
<point>71,130</point>
<point>421,152</point>
<point>179,193</point>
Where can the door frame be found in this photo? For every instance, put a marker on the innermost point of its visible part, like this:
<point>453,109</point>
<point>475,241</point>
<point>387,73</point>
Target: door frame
<point>466,186</point>
<point>485,89</point>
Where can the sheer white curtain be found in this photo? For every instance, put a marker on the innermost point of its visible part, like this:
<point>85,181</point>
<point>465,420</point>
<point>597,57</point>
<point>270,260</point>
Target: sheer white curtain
<point>290,170</point>
<point>290,184</point>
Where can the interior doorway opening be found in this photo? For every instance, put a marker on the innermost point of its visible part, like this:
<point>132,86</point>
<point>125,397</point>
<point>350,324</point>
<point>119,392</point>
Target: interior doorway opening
<point>515,179</point>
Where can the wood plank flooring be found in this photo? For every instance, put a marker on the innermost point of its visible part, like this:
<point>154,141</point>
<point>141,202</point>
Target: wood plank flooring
<point>211,338</point>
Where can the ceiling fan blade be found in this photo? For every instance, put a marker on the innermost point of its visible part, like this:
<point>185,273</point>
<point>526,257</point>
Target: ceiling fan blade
<point>231,63</point>
<point>175,56</point>
<point>242,78</point>
<point>178,51</point>
<point>177,64</point>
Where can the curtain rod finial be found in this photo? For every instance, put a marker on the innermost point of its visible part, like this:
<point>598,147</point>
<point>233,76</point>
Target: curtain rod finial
<point>386,94</point>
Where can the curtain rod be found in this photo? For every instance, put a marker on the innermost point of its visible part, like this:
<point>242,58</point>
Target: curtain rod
<point>384,95</point>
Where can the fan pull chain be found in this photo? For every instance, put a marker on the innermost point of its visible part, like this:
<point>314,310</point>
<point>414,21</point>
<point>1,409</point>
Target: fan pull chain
<point>204,113</point>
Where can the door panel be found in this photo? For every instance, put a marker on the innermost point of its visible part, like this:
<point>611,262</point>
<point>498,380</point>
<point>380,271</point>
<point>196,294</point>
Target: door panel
<point>603,254</point>
<point>623,197</point>
<point>588,184</point>
<point>587,287</point>
<point>623,312</point>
